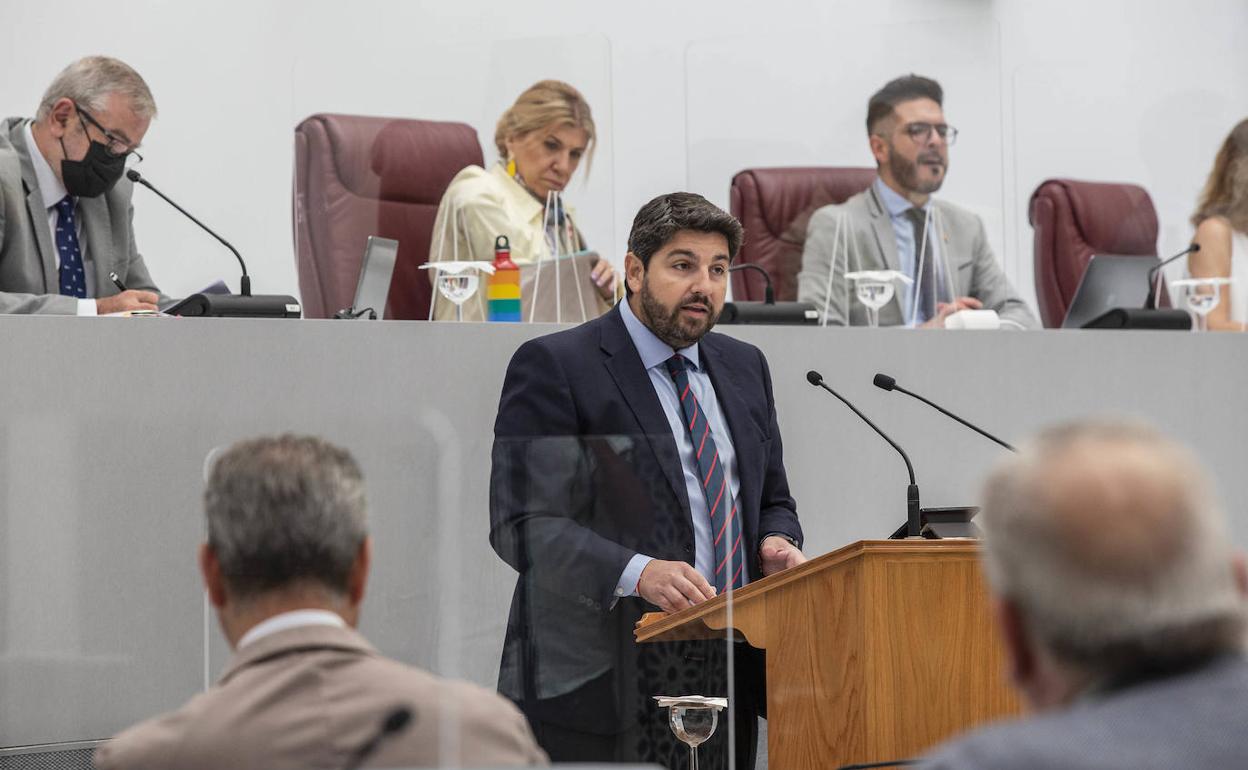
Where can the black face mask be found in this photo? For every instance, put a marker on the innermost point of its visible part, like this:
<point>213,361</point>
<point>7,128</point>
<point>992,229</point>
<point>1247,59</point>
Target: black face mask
<point>95,174</point>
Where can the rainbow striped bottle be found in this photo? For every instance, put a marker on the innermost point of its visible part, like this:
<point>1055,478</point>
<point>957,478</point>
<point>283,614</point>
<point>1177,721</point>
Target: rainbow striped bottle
<point>503,288</point>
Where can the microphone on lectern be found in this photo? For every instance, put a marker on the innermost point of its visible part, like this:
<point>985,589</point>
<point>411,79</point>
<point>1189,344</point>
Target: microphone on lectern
<point>913,516</point>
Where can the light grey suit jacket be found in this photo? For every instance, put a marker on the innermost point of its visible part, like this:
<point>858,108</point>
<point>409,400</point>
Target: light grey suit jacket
<point>28,275</point>
<point>1193,720</point>
<point>872,245</point>
<point>308,697</point>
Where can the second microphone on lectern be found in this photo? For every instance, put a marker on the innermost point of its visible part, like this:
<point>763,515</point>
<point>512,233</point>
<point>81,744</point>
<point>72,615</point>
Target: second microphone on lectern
<point>914,517</point>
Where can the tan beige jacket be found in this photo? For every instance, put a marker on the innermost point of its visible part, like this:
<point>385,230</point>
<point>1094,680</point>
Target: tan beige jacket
<point>307,697</point>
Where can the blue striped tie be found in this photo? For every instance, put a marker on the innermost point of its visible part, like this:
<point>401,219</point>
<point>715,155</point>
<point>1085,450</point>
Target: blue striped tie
<point>725,524</point>
<point>73,280</point>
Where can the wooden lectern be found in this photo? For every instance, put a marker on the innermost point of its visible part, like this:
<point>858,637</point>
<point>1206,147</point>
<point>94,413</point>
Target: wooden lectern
<point>876,651</point>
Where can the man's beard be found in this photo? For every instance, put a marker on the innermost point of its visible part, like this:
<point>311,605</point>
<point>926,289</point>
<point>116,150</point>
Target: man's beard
<point>907,173</point>
<point>667,323</point>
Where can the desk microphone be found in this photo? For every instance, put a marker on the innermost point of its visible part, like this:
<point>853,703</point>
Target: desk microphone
<point>768,311</point>
<point>245,282</point>
<point>395,722</point>
<point>884,382</point>
<point>244,304</point>
<point>1150,303</point>
<point>769,295</point>
<point>913,518</point>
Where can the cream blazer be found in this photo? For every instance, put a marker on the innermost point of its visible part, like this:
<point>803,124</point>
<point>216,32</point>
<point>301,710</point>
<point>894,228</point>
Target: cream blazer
<point>477,207</point>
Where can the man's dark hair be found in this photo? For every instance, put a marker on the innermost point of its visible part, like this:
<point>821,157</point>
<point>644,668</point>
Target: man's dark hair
<point>903,89</point>
<point>285,511</point>
<point>660,220</point>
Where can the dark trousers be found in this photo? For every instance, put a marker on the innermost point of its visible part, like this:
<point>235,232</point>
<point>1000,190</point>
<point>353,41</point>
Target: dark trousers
<point>684,668</point>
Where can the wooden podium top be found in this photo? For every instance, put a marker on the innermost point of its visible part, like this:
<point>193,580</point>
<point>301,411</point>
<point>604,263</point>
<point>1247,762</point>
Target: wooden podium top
<point>878,650</point>
<point>708,619</point>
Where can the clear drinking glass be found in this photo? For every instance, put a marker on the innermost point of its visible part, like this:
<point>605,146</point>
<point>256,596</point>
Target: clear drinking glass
<point>1202,296</point>
<point>875,289</point>
<point>693,725</point>
<point>457,281</point>
<point>693,719</point>
<point>458,288</point>
<point>874,295</point>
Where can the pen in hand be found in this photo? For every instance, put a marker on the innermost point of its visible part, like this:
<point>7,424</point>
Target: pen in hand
<point>117,282</point>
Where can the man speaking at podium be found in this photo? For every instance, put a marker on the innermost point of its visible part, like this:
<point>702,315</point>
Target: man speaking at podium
<point>65,212</point>
<point>638,465</point>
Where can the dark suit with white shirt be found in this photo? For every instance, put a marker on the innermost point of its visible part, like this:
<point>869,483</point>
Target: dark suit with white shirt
<point>586,475</point>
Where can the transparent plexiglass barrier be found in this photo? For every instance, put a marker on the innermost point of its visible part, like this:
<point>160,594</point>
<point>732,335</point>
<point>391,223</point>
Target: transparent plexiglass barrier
<point>767,101</point>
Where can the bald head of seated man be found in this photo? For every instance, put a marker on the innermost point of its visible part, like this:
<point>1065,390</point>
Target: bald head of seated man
<point>285,566</point>
<point>1120,601</point>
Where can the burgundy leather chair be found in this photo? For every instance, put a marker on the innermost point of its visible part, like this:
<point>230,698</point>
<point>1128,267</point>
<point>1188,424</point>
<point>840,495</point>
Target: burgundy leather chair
<point>1074,220</point>
<point>775,205</point>
<point>357,176</point>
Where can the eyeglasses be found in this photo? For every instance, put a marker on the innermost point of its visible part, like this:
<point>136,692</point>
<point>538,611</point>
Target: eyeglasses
<point>115,146</point>
<point>921,133</point>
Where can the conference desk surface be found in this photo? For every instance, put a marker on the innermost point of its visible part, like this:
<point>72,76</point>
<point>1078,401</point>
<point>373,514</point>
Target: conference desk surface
<point>105,425</point>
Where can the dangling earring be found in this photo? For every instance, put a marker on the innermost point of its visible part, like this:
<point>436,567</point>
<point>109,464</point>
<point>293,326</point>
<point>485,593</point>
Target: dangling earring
<point>511,167</point>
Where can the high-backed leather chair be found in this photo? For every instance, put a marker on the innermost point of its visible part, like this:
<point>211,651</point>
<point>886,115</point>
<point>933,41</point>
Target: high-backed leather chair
<point>357,176</point>
<point>1074,220</point>
<point>775,206</point>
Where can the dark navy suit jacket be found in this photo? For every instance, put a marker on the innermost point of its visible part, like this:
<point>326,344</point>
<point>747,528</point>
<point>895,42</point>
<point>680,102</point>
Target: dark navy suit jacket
<point>585,474</point>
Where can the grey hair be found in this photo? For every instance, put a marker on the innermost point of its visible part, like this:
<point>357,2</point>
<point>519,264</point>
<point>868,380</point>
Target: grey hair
<point>285,511</point>
<point>1107,538</point>
<point>91,79</point>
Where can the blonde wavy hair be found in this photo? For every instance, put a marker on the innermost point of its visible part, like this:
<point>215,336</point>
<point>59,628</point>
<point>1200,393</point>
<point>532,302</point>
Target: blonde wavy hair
<point>1226,191</point>
<point>545,103</point>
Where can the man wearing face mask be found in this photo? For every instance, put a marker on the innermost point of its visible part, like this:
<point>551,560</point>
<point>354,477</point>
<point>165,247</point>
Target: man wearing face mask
<point>66,220</point>
<point>896,225</point>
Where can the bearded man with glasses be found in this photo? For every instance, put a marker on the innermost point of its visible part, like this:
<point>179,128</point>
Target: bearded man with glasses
<point>66,220</point>
<point>896,225</point>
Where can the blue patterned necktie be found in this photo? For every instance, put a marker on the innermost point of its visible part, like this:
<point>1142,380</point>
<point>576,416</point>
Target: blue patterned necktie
<point>725,523</point>
<point>73,280</point>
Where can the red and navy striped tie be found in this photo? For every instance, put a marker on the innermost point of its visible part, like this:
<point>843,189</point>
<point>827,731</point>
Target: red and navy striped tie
<point>725,524</point>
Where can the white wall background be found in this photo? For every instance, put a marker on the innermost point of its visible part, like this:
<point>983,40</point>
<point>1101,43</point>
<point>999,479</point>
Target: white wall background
<point>1097,89</point>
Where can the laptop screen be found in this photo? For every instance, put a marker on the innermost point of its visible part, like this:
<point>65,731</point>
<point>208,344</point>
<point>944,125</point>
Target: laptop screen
<point>1110,281</point>
<point>375,275</point>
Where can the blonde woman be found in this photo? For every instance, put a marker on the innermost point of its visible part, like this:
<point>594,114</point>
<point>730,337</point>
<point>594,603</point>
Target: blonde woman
<point>1221,223</point>
<point>541,141</point>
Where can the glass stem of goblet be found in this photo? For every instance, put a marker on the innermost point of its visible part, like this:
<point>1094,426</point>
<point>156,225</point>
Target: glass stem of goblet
<point>459,313</point>
<point>693,758</point>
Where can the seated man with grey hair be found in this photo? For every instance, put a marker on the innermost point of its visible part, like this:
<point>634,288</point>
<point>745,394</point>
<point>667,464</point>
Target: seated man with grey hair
<point>285,565</point>
<point>66,222</point>
<point>1121,605</point>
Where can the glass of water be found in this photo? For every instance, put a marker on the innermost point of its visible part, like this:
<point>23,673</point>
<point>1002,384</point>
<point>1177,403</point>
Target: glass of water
<point>693,719</point>
<point>1202,296</point>
<point>875,289</point>
<point>458,281</point>
<point>458,288</point>
<point>693,725</point>
<point>874,295</point>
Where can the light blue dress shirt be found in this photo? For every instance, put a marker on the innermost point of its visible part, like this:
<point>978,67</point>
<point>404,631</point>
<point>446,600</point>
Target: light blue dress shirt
<point>903,230</point>
<point>654,353</point>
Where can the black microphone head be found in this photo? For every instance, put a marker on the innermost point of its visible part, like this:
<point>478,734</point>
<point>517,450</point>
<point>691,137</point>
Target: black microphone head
<point>1195,247</point>
<point>396,720</point>
<point>133,175</point>
<point>814,378</point>
<point>884,382</point>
